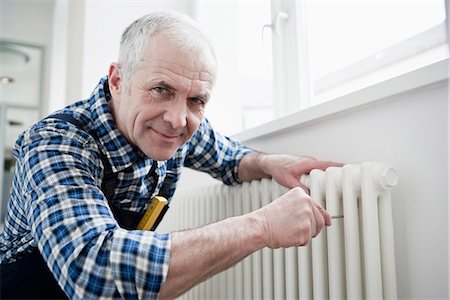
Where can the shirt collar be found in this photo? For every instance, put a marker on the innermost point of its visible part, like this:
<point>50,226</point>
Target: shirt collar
<point>120,153</point>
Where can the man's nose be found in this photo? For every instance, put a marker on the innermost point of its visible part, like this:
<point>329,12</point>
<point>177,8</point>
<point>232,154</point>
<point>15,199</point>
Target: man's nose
<point>176,113</point>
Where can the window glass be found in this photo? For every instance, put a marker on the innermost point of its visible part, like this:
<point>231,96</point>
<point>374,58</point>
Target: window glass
<point>242,97</point>
<point>254,63</point>
<point>348,40</point>
<point>335,48</point>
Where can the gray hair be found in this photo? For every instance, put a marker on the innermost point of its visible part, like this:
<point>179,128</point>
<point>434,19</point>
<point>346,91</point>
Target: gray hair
<point>181,29</point>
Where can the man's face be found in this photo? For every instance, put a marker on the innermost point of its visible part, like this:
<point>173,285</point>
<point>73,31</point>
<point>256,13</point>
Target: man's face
<point>166,99</point>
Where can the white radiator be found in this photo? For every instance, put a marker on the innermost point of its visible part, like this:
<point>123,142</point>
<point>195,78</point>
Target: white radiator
<point>352,259</point>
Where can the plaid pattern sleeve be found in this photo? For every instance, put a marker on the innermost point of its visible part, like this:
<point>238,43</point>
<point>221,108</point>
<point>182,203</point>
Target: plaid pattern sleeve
<point>213,153</point>
<point>59,208</point>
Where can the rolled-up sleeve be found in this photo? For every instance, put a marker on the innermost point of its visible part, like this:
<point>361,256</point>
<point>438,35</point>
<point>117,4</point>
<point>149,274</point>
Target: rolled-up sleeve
<point>213,153</point>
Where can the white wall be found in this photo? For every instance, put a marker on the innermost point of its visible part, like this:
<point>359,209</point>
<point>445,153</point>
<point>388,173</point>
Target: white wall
<point>410,133</point>
<point>67,45</point>
<point>447,6</point>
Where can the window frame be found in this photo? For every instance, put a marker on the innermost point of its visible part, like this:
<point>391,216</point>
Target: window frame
<point>294,89</point>
<point>430,76</point>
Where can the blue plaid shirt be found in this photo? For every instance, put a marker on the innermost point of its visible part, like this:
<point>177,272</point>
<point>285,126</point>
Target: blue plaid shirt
<point>56,203</point>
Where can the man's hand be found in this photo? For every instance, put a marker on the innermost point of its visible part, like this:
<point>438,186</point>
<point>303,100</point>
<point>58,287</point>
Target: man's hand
<point>292,220</point>
<point>284,168</point>
<point>287,169</point>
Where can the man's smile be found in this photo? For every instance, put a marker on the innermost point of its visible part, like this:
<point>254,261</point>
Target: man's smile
<point>166,136</point>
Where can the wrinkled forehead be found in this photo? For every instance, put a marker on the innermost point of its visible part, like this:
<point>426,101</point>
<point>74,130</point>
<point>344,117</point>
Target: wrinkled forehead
<point>181,69</point>
<point>193,59</point>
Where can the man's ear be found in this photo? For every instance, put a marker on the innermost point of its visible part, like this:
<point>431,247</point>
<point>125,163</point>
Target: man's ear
<point>115,80</point>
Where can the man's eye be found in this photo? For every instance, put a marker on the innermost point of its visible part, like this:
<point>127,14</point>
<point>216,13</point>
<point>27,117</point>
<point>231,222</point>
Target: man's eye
<point>161,93</point>
<point>198,101</point>
<point>160,90</point>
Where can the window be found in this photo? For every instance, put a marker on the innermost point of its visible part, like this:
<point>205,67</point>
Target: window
<point>386,38</point>
<point>344,46</point>
<point>320,50</point>
<point>243,92</point>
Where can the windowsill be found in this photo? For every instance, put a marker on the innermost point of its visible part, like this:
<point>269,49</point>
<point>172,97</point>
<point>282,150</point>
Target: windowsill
<point>423,78</point>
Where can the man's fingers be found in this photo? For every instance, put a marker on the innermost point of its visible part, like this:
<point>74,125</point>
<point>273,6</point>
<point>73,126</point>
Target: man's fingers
<point>326,215</point>
<point>304,187</point>
<point>319,222</point>
<point>323,165</point>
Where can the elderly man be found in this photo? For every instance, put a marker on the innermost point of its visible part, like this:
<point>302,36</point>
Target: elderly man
<point>86,174</point>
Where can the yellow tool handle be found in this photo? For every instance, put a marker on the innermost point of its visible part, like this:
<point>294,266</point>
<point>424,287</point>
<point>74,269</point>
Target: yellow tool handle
<point>152,213</point>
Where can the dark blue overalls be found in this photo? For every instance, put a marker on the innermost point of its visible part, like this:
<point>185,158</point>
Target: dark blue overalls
<point>29,277</point>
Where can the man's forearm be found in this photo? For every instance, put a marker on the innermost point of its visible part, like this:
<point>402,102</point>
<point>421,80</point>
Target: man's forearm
<point>252,167</point>
<point>200,253</point>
